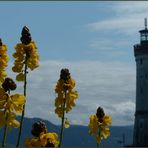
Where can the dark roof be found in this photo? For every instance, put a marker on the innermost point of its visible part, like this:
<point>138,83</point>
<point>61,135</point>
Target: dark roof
<point>144,30</point>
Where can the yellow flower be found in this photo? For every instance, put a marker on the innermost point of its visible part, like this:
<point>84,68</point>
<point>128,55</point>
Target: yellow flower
<point>59,111</point>
<point>3,61</point>
<point>17,102</point>
<point>93,125</point>
<point>13,103</point>
<point>70,98</point>
<point>10,122</point>
<point>2,76</point>
<point>30,50</point>
<point>20,77</point>
<point>49,138</point>
<point>66,124</point>
<point>24,52</point>
<point>43,140</point>
<point>70,84</point>
<point>3,98</point>
<point>99,125</point>
<point>59,100</point>
<point>98,138</point>
<point>18,67</point>
<point>105,132</point>
<point>107,120</point>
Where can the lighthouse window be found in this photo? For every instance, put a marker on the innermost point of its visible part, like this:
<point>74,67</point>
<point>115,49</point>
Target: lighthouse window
<point>141,61</point>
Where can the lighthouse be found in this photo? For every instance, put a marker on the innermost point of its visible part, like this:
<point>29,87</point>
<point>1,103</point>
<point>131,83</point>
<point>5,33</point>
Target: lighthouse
<point>140,136</point>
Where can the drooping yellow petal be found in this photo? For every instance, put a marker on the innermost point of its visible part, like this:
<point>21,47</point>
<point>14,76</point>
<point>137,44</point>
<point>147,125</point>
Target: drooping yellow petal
<point>18,99</point>
<point>17,68</point>
<point>20,77</point>
<point>98,138</point>
<point>14,123</point>
<point>93,125</point>
<point>18,55</point>
<point>19,48</point>
<point>11,121</point>
<point>2,94</point>
<point>3,62</point>
<point>2,104</point>
<point>3,98</point>
<point>59,111</point>
<point>66,124</point>
<point>2,76</point>
<point>105,132</point>
<point>107,120</point>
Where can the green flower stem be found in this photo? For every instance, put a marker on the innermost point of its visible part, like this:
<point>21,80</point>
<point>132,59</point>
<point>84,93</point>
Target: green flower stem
<point>5,133</point>
<point>5,128</point>
<point>62,123</point>
<point>23,112</point>
<point>98,145</point>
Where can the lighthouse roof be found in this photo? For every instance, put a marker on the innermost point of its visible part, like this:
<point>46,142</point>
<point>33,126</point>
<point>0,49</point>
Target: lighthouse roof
<point>144,31</point>
<point>145,24</point>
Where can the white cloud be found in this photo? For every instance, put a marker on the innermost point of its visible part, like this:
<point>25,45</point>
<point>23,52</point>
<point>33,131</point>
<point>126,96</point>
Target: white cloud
<point>109,47</point>
<point>128,18</point>
<point>110,85</point>
<point>133,7</point>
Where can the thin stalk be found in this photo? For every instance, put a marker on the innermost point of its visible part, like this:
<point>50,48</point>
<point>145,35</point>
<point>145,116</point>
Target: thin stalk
<point>98,145</point>
<point>5,133</point>
<point>62,123</point>
<point>5,128</point>
<point>23,112</point>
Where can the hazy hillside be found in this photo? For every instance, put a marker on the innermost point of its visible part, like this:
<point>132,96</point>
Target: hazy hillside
<point>75,136</point>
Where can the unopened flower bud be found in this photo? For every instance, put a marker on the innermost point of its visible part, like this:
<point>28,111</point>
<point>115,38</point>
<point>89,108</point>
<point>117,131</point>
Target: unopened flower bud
<point>38,128</point>
<point>26,36</point>
<point>100,113</point>
<point>25,30</point>
<point>65,74</point>
<point>1,42</point>
<point>9,84</point>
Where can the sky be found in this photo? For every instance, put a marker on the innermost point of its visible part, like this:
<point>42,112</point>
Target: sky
<point>94,40</point>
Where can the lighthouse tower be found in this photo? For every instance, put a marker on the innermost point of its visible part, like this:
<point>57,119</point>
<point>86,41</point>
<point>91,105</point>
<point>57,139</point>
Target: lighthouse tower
<point>141,115</point>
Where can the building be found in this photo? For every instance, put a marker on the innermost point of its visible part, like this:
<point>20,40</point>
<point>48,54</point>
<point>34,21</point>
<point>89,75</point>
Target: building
<point>140,137</point>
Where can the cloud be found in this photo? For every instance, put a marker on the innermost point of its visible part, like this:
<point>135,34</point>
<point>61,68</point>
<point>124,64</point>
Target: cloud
<point>107,84</point>
<point>133,7</point>
<point>108,48</point>
<point>128,18</point>
<point>123,25</point>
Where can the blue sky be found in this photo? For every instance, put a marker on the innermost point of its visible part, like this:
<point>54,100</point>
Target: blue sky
<point>93,39</point>
<point>60,27</point>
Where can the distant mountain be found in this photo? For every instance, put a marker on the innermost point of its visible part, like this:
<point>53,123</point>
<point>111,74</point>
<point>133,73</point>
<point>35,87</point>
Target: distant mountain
<point>76,135</point>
